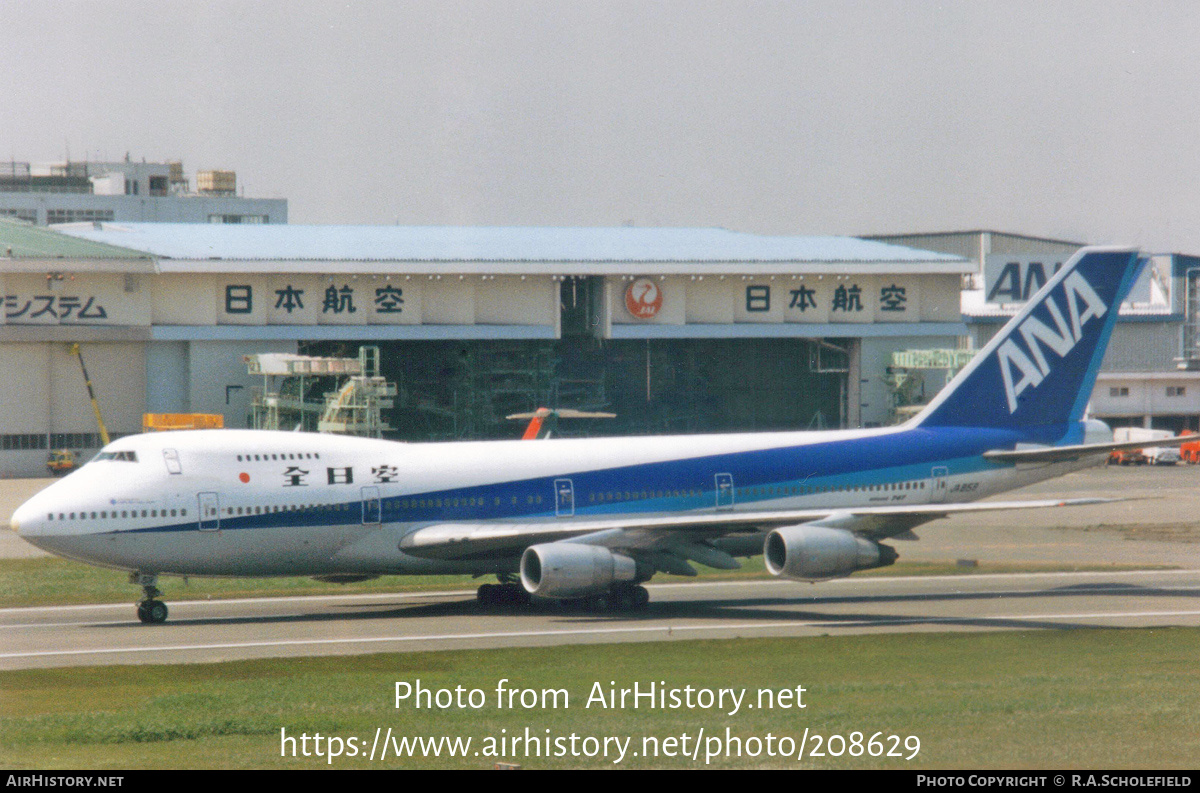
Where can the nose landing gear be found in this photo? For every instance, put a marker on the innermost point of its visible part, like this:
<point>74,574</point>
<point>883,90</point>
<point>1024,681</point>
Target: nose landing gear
<point>150,610</point>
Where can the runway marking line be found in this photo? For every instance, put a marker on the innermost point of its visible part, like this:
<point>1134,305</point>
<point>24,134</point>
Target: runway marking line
<point>804,599</point>
<point>669,629</point>
<point>282,598</point>
<point>754,582</point>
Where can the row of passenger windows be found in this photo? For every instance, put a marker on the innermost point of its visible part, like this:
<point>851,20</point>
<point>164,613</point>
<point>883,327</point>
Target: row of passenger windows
<point>805,491</point>
<point>413,504</point>
<point>437,503</point>
<point>627,495</point>
<point>757,492</point>
<point>270,508</point>
<point>428,503</point>
<point>125,513</point>
<point>630,495</point>
<point>182,513</point>
<point>268,457</point>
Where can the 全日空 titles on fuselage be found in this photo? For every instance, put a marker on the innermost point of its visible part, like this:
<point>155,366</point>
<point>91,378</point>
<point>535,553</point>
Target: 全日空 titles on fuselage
<point>595,518</point>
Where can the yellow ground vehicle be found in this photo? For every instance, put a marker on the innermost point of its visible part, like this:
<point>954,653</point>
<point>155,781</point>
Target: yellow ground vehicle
<point>61,462</point>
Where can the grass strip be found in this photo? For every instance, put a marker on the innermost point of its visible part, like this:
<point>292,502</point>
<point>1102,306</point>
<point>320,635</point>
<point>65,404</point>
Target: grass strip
<point>1103,698</point>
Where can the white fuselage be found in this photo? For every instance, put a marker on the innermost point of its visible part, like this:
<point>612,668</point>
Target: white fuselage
<point>257,503</point>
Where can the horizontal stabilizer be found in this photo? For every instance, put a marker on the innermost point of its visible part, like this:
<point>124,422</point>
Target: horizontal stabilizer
<point>1054,454</point>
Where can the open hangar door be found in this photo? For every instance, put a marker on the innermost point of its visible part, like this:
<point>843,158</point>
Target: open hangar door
<point>465,389</point>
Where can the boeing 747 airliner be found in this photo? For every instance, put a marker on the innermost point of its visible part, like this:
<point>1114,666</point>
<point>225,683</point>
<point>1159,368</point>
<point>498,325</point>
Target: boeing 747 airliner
<point>594,518</point>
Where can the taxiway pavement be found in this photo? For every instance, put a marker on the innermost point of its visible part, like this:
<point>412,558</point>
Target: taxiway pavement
<point>201,631</point>
<point>1160,527</point>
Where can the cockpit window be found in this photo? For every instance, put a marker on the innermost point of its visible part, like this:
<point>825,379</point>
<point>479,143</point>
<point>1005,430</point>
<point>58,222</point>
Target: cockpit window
<point>124,457</point>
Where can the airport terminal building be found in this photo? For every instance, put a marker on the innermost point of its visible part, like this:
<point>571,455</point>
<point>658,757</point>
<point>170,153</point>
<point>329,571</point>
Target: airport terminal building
<point>674,330</point>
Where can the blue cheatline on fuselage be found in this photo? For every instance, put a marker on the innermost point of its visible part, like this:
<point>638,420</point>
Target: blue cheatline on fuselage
<point>901,455</point>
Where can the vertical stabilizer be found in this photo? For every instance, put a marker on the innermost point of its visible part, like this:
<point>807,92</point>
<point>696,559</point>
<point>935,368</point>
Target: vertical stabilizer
<point>1040,369</point>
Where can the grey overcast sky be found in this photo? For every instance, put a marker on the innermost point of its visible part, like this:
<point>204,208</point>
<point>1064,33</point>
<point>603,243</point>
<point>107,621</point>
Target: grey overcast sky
<point>1068,119</point>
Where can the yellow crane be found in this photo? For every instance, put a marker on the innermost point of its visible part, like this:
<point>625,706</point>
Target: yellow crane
<point>62,461</point>
<point>91,394</point>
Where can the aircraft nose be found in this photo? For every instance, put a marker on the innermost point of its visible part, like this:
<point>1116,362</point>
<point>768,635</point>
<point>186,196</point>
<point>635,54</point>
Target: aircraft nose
<point>24,521</point>
<point>31,522</point>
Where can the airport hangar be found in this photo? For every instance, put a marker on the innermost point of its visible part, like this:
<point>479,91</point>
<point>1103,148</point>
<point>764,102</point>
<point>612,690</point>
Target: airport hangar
<point>674,330</point>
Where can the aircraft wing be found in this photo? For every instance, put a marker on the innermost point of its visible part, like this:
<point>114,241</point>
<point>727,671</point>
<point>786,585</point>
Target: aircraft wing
<point>1053,454</point>
<point>460,541</point>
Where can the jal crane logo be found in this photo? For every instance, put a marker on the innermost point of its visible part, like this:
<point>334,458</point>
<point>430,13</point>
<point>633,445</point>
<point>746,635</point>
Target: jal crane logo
<point>643,298</point>
<point>1027,368</point>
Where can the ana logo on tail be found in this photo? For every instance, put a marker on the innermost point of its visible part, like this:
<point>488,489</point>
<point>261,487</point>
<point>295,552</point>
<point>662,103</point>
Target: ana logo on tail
<point>1031,366</point>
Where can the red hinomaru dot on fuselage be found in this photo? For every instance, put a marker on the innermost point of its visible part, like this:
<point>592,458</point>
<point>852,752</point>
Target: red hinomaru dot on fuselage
<point>244,477</point>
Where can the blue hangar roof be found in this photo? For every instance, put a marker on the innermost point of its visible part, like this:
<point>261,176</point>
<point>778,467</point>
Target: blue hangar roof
<point>198,241</point>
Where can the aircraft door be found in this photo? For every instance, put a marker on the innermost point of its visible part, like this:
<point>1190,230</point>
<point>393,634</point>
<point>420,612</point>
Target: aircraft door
<point>210,511</point>
<point>372,506</point>
<point>937,484</point>
<point>171,458</point>
<point>564,498</point>
<point>724,485</point>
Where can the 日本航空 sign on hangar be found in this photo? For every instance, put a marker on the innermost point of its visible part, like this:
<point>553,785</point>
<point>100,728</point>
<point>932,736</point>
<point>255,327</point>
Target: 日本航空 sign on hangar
<point>167,311</point>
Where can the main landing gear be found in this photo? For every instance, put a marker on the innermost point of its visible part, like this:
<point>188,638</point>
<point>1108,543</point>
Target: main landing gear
<point>619,597</point>
<point>502,595</point>
<point>150,609</point>
<point>626,597</point>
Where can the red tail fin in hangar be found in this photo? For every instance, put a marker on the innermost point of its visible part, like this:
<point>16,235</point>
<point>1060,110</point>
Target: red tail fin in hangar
<point>537,420</point>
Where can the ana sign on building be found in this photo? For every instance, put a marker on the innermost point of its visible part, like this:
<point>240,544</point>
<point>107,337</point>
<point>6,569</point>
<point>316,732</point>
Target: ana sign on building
<point>1012,279</point>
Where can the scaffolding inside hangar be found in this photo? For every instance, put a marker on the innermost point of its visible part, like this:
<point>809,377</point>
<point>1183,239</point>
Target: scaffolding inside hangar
<point>287,399</point>
<point>907,381</point>
<point>464,389</point>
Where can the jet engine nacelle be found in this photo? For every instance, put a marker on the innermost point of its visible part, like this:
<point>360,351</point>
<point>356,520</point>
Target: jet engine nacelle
<point>570,570</point>
<point>816,552</point>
